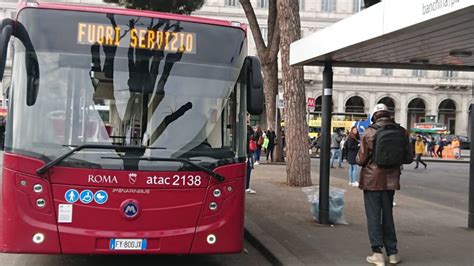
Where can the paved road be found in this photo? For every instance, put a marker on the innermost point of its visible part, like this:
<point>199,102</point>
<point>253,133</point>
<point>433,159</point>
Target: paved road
<point>445,184</point>
<point>251,256</point>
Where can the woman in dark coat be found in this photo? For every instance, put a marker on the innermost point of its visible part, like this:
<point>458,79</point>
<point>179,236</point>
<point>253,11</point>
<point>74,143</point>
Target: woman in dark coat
<point>352,146</point>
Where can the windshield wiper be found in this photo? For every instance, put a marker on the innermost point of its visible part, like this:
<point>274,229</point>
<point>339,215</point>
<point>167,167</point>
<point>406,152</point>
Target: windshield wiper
<point>44,168</point>
<point>181,160</point>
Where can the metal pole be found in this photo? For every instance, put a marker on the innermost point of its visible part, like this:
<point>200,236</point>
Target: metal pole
<point>470,223</point>
<point>325,144</point>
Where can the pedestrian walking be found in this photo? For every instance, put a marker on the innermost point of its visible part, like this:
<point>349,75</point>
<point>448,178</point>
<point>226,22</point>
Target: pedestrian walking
<point>258,136</point>
<point>419,149</point>
<point>456,144</point>
<point>271,143</point>
<point>440,149</point>
<point>265,143</point>
<point>384,147</point>
<point>336,139</point>
<point>251,147</point>
<point>431,146</point>
<point>352,147</point>
<point>343,147</point>
<point>318,143</point>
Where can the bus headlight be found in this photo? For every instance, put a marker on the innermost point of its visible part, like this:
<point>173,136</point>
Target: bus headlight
<point>38,188</point>
<point>213,206</point>
<point>211,239</point>
<point>217,193</point>
<point>40,203</point>
<point>38,238</point>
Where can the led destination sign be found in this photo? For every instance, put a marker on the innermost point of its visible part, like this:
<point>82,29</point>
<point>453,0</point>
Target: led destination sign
<point>140,38</point>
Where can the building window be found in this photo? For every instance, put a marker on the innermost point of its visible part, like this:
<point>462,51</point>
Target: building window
<point>301,2</point>
<point>264,31</point>
<point>231,2</point>
<point>449,74</point>
<point>357,71</point>
<point>328,5</point>
<point>419,73</point>
<point>356,6</point>
<point>387,72</point>
<point>262,3</point>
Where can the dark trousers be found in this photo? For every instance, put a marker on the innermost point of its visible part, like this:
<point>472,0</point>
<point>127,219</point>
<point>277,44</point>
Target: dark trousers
<point>378,209</point>
<point>270,152</point>
<point>418,160</point>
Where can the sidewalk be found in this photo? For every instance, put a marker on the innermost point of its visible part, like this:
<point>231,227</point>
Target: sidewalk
<point>464,159</point>
<point>278,218</point>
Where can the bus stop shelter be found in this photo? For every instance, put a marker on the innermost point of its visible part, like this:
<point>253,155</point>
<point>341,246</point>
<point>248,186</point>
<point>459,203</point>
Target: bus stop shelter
<point>399,34</point>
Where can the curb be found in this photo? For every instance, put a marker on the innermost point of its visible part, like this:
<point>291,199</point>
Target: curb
<point>445,161</point>
<point>271,249</point>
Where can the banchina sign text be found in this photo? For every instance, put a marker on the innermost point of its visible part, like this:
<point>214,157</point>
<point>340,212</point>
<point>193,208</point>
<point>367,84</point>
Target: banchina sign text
<point>436,5</point>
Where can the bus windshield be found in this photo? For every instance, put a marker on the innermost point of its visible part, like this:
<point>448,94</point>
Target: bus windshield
<point>167,85</point>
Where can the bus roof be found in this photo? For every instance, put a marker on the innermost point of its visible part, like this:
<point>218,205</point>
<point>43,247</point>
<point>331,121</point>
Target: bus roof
<point>130,12</point>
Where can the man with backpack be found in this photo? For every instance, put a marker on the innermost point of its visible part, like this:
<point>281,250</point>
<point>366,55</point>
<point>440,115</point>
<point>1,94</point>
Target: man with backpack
<point>384,147</point>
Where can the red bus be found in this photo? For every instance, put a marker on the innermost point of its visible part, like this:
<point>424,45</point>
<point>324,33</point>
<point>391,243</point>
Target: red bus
<point>126,132</point>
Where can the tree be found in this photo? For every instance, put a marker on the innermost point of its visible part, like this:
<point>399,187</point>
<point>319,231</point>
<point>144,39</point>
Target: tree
<point>171,6</point>
<point>268,54</point>
<point>296,128</point>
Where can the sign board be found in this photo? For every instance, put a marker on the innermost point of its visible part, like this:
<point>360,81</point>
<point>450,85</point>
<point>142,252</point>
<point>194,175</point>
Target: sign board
<point>429,126</point>
<point>334,123</point>
<point>280,101</point>
<point>311,104</point>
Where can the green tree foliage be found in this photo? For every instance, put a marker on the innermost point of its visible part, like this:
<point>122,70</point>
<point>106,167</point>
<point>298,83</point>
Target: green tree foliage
<point>171,6</point>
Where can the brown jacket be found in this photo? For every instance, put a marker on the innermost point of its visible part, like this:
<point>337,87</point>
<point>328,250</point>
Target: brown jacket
<point>373,177</point>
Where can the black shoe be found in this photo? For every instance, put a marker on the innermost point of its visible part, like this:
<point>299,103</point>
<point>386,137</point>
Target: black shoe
<point>425,166</point>
<point>416,167</point>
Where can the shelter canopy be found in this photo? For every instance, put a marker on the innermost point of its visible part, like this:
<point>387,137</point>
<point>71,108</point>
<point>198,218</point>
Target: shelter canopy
<point>413,34</point>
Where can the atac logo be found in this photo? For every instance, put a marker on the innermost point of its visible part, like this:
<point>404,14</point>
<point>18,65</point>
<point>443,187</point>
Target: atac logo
<point>130,209</point>
<point>102,179</point>
<point>132,178</point>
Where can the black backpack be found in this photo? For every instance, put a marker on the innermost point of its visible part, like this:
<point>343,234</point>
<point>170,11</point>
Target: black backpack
<point>390,146</point>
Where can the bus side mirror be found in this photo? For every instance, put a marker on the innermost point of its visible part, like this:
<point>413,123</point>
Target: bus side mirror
<point>32,65</point>
<point>254,86</point>
<point>6,29</point>
<point>32,78</point>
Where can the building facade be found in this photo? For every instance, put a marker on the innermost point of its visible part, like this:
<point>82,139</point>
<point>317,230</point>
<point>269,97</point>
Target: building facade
<point>412,95</point>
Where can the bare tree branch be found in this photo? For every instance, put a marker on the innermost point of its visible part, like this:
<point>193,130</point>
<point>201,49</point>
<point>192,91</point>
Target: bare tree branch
<point>255,28</point>
<point>273,31</point>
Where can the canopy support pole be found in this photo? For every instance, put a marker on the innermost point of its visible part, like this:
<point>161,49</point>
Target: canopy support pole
<point>325,144</point>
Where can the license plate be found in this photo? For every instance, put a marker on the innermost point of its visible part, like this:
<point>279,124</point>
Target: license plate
<point>127,244</point>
